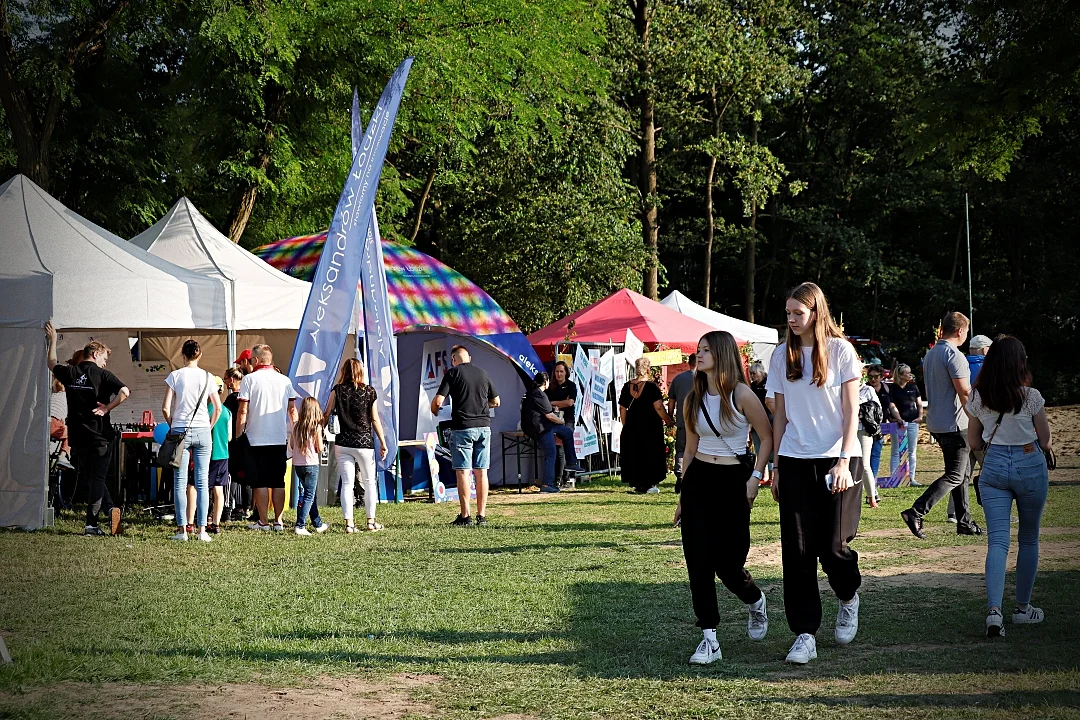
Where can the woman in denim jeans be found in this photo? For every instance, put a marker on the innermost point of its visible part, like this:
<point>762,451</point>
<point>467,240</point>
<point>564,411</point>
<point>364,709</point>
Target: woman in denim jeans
<point>184,408</point>
<point>1009,422</point>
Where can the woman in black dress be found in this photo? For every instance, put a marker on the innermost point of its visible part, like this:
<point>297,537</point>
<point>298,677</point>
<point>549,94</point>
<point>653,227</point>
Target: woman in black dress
<point>643,416</point>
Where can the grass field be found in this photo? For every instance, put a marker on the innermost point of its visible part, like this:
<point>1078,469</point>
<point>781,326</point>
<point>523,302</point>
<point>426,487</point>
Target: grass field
<point>568,606</point>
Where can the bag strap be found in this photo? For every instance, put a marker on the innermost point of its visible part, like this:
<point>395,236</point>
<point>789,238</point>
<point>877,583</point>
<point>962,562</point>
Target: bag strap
<point>705,410</point>
<point>202,398</point>
<point>996,426</point>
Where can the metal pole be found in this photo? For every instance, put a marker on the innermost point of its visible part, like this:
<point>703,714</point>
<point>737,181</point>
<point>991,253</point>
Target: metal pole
<point>971,304</point>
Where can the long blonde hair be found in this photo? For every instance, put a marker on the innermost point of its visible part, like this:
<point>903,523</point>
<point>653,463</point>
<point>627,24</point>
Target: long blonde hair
<point>308,429</point>
<point>824,327</point>
<point>726,373</point>
<point>352,373</point>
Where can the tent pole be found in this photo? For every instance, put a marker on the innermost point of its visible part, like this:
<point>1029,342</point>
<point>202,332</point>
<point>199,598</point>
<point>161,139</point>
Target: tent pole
<point>231,333</point>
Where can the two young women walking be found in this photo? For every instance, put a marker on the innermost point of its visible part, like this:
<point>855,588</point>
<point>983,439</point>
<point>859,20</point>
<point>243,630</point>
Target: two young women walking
<point>814,378</point>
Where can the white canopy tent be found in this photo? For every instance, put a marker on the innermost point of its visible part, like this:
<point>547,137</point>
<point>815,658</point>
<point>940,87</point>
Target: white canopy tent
<point>763,339</point>
<point>59,265</point>
<point>260,296</point>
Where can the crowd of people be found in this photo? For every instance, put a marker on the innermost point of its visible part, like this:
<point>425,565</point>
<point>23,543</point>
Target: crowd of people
<point>809,427</point>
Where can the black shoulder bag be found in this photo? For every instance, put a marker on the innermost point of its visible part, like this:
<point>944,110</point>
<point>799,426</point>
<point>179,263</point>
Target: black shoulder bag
<point>749,458</point>
<point>171,452</point>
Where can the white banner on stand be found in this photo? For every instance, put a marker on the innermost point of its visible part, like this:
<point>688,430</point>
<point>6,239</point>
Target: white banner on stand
<point>633,348</point>
<point>436,363</point>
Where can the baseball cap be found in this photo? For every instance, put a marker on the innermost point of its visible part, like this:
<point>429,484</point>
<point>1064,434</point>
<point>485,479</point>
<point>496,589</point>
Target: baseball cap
<point>246,355</point>
<point>979,342</point>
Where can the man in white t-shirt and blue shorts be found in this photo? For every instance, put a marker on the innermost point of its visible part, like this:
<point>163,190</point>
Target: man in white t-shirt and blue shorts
<point>267,413</point>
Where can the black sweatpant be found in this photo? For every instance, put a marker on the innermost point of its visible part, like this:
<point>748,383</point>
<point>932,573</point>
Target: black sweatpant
<point>716,536</point>
<point>92,462</point>
<point>816,525</point>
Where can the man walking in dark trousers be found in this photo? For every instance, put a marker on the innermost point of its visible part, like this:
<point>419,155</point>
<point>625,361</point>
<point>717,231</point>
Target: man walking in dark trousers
<point>92,392</point>
<point>946,372</point>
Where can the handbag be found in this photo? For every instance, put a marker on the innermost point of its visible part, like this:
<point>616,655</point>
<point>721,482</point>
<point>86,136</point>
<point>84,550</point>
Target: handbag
<point>171,452</point>
<point>748,459</point>
<point>980,455</point>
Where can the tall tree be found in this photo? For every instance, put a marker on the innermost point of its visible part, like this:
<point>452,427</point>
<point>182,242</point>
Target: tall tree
<point>43,46</point>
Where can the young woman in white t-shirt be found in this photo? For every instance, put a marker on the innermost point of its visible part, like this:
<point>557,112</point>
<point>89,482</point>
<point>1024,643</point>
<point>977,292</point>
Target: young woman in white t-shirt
<point>718,490</point>
<point>1014,469</point>
<point>184,408</point>
<point>815,377</point>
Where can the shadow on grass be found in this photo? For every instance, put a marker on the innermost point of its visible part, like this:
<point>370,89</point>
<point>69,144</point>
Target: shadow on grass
<point>988,700</point>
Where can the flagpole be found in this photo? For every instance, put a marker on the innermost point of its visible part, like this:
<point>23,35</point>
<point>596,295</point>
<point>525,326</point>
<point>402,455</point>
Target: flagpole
<point>971,304</point>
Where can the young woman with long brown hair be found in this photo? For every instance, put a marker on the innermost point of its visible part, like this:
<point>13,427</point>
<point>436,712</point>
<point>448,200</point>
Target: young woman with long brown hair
<point>354,402</point>
<point>815,376</point>
<point>1008,420</point>
<point>718,490</point>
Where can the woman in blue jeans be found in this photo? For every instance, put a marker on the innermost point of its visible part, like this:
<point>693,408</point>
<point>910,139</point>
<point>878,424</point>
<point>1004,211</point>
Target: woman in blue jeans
<point>185,409</point>
<point>1009,422</point>
<point>306,444</point>
<point>904,394</point>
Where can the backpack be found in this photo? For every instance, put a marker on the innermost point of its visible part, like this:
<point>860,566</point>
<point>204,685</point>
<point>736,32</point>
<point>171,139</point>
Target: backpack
<point>870,416</point>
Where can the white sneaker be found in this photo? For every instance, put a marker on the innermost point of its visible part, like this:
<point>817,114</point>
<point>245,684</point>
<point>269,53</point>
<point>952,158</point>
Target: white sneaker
<point>757,626</point>
<point>803,651</point>
<point>847,621</point>
<point>258,526</point>
<point>205,537</point>
<point>705,653</point>
<point>180,536</point>
<point>279,527</point>
<point>303,531</point>
<point>1028,617</point>
<point>322,528</point>
<point>653,491</point>
<point>994,624</point>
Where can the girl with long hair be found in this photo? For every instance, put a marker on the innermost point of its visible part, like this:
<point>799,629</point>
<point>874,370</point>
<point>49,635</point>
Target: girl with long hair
<point>1008,421</point>
<point>718,490</point>
<point>353,400</point>
<point>643,415</point>
<point>815,377</point>
<point>305,446</point>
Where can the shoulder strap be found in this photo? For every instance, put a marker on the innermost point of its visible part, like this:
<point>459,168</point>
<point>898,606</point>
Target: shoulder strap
<point>996,426</point>
<point>202,398</point>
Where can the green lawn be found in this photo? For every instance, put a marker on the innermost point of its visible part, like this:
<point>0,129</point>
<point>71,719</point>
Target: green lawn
<point>572,606</point>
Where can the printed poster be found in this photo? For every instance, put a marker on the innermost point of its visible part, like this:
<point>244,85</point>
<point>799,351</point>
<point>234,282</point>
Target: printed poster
<point>590,445</point>
<point>598,388</point>
<point>435,364</point>
<point>633,348</point>
<point>581,367</point>
<point>605,418</point>
<point>607,364</point>
<point>579,441</point>
<point>616,436</point>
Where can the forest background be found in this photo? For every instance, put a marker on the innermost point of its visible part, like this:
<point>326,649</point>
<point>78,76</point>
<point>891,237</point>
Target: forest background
<point>556,150</point>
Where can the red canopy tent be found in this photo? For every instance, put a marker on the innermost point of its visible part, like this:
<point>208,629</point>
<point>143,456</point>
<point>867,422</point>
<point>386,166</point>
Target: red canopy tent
<point>606,322</point>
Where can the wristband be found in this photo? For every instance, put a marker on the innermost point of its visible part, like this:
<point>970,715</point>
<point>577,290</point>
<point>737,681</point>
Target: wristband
<point>757,474</point>
<point>845,455</point>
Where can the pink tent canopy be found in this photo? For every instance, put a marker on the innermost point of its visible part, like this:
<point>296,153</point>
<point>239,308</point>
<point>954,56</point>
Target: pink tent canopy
<point>607,320</point>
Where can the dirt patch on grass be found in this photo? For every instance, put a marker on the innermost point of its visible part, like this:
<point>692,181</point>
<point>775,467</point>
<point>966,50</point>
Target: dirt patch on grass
<point>1065,428</point>
<point>339,698</point>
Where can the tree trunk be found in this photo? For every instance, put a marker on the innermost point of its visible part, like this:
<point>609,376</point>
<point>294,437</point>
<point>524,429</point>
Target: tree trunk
<point>774,243</point>
<point>710,228</point>
<point>424,196</point>
<point>646,105</point>
<point>751,246</point>
<point>248,193</point>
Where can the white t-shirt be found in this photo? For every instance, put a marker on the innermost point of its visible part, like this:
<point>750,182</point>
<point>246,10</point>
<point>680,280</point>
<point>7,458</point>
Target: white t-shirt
<point>815,415</point>
<point>187,385</point>
<point>1016,428</point>
<point>268,393</point>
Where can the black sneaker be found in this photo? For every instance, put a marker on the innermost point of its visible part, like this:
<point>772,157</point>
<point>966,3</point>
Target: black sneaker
<point>460,521</point>
<point>481,521</point>
<point>971,529</point>
<point>914,523</point>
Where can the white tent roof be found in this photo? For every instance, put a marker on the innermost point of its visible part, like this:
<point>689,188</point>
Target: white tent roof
<point>741,329</point>
<point>262,296</point>
<point>60,265</point>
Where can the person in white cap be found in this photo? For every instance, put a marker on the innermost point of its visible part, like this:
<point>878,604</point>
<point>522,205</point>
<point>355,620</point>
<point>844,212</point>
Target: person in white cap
<point>977,349</point>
